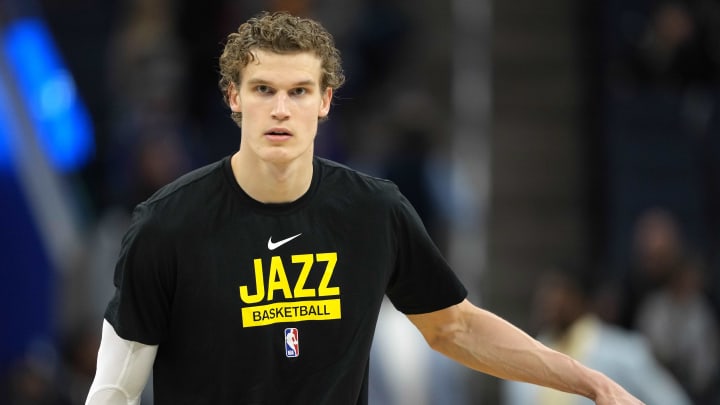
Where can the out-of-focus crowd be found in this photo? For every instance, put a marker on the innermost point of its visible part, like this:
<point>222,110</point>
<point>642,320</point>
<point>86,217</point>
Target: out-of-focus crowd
<point>158,114</point>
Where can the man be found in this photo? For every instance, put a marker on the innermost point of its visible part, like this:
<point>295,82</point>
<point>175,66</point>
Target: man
<point>564,313</point>
<point>220,266</point>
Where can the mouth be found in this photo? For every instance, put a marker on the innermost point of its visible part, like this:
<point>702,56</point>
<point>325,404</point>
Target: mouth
<point>278,131</point>
<point>278,134</point>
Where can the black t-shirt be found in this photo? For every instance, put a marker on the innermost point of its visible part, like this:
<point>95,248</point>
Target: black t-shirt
<point>255,303</point>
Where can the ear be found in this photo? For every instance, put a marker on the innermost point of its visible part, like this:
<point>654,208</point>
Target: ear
<point>325,100</point>
<point>234,98</point>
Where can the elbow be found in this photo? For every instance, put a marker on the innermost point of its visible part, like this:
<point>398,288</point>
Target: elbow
<point>109,395</point>
<point>441,342</point>
<point>449,330</point>
<point>446,336</point>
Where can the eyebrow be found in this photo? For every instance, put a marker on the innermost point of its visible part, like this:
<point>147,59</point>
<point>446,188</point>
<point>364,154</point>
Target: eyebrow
<point>297,84</point>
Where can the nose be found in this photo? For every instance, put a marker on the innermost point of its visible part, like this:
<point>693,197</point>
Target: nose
<point>280,110</point>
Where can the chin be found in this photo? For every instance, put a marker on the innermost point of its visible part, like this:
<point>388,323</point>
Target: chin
<point>278,156</point>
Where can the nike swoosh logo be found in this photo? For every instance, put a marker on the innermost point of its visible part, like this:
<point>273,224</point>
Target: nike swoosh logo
<point>274,245</point>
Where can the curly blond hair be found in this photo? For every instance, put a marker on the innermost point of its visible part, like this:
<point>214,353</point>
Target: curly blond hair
<point>278,32</point>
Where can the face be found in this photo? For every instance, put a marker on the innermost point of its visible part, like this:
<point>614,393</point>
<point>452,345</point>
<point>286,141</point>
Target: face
<point>280,100</point>
<point>556,303</point>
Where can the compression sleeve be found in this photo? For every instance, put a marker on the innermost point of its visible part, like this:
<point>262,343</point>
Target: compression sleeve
<point>123,367</point>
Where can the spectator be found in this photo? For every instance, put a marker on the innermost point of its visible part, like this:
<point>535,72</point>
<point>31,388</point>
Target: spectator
<point>676,47</point>
<point>679,322</point>
<point>657,249</point>
<point>566,323</point>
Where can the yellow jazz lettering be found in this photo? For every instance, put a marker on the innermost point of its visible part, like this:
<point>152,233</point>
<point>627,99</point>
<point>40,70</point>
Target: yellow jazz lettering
<point>277,279</point>
<point>300,291</point>
<point>259,286</point>
<point>278,282</point>
<point>331,259</point>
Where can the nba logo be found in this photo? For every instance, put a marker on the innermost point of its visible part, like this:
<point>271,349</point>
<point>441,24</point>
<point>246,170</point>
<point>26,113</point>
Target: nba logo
<point>292,344</point>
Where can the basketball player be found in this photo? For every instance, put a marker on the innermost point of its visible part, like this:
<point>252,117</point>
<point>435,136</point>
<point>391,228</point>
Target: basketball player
<point>258,279</point>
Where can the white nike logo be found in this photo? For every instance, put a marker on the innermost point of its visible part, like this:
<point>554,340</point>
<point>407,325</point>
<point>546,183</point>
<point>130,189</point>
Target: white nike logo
<point>274,245</point>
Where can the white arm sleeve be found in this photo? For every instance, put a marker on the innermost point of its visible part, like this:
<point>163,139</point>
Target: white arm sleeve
<point>123,367</point>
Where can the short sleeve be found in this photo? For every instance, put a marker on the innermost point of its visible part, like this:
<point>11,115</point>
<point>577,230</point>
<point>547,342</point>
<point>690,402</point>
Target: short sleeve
<point>422,280</point>
<point>144,281</point>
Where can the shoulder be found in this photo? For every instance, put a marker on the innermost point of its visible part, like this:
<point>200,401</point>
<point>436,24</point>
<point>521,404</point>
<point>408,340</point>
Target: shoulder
<point>357,183</point>
<point>179,200</point>
<point>188,183</point>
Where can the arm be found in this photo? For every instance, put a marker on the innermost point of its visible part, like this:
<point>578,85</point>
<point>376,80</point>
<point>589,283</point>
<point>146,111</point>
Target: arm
<point>123,368</point>
<point>485,342</point>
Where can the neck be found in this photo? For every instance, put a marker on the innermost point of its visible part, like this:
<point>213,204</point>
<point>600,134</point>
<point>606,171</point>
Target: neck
<point>270,182</point>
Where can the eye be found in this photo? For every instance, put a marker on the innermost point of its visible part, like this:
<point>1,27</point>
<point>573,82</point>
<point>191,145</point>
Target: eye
<point>298,91</point>
<point>263,89</point>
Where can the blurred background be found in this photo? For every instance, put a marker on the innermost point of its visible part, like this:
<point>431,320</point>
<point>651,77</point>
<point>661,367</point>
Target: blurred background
<point>531,136</point>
